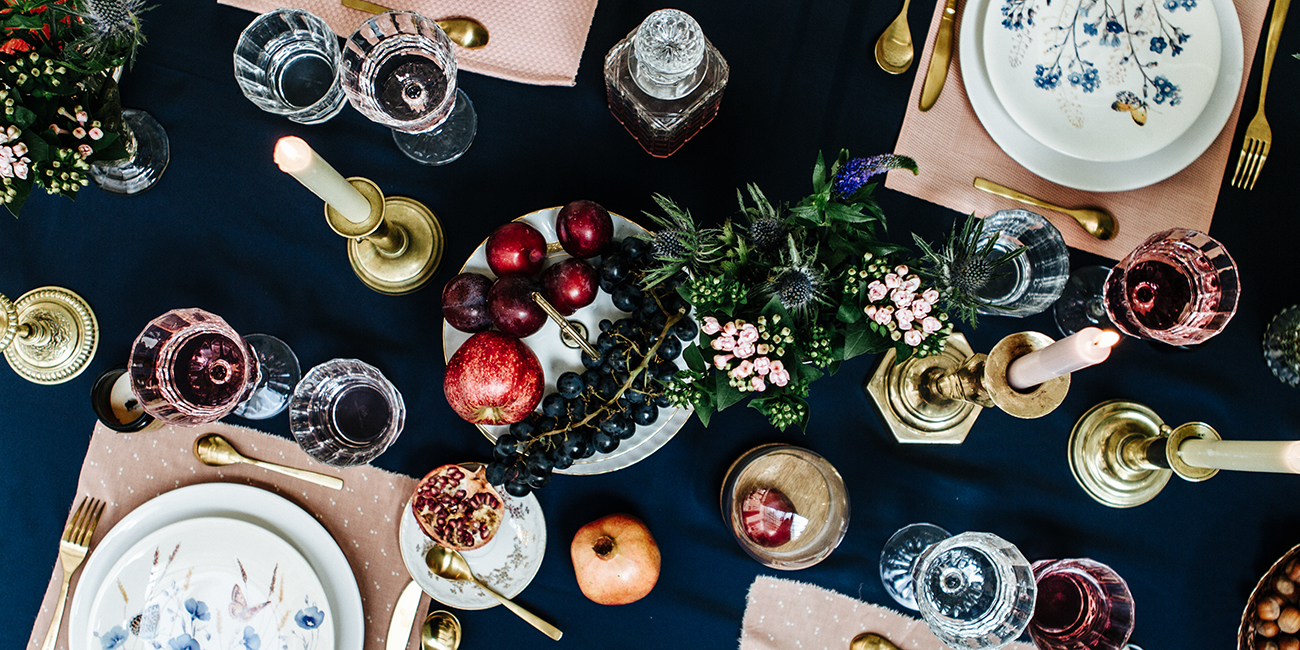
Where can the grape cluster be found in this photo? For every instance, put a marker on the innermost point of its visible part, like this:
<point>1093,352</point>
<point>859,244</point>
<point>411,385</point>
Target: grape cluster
<point>594,411</point>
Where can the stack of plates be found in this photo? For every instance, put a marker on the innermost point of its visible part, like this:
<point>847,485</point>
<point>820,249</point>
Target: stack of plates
<point>1102,96</point>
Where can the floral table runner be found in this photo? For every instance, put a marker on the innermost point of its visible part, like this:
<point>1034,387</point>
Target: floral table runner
<point>126,470</point>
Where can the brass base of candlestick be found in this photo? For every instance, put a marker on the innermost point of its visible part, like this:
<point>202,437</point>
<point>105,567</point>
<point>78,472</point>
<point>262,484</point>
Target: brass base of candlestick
<point>49,335</point>
<point>1123,454</point>
<point>398,247</point>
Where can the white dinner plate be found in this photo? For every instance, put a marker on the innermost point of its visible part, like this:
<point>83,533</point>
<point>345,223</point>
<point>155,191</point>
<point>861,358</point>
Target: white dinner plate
<point>1091,175</point>
<point>557,359</point>
<point>219,582</point>
<point>507,562</point>
<point>243,502</point>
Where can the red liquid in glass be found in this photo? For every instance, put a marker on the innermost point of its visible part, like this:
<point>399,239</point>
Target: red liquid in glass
<point>210,370</point>
<point>1081,607</point>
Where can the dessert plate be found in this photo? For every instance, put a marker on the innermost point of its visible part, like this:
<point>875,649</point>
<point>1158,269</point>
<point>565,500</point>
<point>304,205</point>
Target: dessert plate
<point>215,581</point>
<point>557,358</point>
<point>1088,175</point>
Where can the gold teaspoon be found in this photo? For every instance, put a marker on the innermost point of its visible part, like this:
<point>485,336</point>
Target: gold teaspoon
<point>441,631</point>
<point>871,641</point>
<point>450,564</point>
<point>1096,222</point>
<point>216,451</point>
<point>465,32</point>
<point>894,47</point>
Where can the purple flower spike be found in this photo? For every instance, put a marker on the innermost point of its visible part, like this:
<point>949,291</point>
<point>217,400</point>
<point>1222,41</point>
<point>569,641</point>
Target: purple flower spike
<point>855,173</point>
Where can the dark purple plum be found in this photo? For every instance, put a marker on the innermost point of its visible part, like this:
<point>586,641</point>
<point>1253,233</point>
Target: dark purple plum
<point>511,307</point>
<point>464,302</point>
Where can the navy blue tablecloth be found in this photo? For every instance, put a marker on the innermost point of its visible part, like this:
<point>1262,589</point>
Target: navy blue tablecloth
<point>228,232</point>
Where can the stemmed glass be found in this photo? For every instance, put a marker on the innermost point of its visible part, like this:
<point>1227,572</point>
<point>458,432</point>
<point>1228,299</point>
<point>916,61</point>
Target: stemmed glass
<point>1179,287</point>
<point>190,367</point>
<point>1082,605</point>
<point>399,70</point>
<point>974,590</point>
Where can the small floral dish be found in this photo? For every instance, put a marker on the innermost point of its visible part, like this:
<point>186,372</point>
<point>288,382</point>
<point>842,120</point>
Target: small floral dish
<point>507,562</point>
<point>1103,80</point>
<point>211,583</point>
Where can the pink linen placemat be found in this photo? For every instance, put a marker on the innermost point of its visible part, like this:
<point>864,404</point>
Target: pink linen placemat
<point>952,148</point>
<point>530,41</point>
<point>783,614</point>
<point>126,470</point>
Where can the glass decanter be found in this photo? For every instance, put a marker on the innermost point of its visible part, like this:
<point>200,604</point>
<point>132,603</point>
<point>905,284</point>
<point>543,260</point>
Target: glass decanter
<point>665,81</point>
<point>399,70</point>
<point>190,367</point>
<point>1081,605</point>
<point>344,412</point>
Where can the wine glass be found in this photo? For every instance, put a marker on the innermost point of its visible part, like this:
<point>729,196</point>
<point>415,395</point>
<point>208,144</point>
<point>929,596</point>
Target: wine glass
<point>973,590</point>
<point>1179,287</point>
<point>1082,605</point>
<point>399,70</point>
<point>190,367</point>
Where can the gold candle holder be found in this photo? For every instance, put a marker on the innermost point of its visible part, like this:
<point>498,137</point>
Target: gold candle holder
<point>936,399</point>
<point>49,335</point>
<point>398,247</point>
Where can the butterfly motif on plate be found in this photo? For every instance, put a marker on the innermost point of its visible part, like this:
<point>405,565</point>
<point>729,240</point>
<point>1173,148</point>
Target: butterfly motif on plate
<point>239,607</point>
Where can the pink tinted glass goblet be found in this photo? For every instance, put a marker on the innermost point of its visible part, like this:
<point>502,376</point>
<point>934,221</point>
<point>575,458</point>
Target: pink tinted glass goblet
<point>1081,605</point>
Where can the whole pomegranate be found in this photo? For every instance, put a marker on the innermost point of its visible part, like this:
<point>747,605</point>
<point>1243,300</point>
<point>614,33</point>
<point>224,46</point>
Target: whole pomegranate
<point>457,507</point>
<point>615,559</point>
<point>493,378</point>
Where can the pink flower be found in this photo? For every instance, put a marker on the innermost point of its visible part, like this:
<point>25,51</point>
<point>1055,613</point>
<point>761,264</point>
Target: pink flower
<point>931,324</point>
<point>729,329</point>
<point>901,270</point>
<point>762,348</point>
<point>724,343</point>
<point>902,298</point>
<point>762,365</point>
<point>78,133</point>
<point>883,315</point>
<point>710,326</point>
<point>745,369</point>
<point>721,361</point>
<point>778,375</point>
<point>920,308</point>
<point>748,333</point>
<point>905,316</point>
<point>82,117</point>
<point>744,350</point>
<point>758,384</point>
<point>913,338</point>
<point>912,284</point>
<point>893,281</point>
<point>20,150</point>
<point>85,149</point>
<point>930,295</point>
<point>96,133</point>
<point>20,169</point>
<point>876,291</point>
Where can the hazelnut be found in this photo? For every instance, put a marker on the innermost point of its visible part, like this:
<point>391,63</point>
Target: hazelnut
<point>1268,645</point>
<point>1266,628</point>
<point>1284,586</point>
<point>1293,570</point>
<point>1288,643</point>
<point>1270,607</point>
<point>1289,620</point>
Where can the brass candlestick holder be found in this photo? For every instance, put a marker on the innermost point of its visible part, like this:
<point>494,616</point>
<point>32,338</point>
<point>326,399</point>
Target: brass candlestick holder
<point>398,247</point>
<point>935,399</point>
<point>49,335</point>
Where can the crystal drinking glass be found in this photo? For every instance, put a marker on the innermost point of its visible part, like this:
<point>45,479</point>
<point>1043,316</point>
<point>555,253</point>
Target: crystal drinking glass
<point>148,153</point>
<point>1282,345</point>
<point>1033,280</point>
<point>1081,605</point>
<point>1179,287</point>
<point>190,367</point>
<point>287,63</point>
<point>344,412</point>
<point>399,70</point>
<point>974,590</point>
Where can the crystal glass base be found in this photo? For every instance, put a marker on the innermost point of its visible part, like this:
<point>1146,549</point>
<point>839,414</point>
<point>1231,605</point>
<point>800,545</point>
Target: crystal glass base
<point>1282,346</point>
<point>280,373</point>
<point>974,590</point>
<point>150,153</point>
<point>1032,281</point>
<point>898,558</point>
<point>1081,303</point>
<point>344,412</point>
<point>445,143</point>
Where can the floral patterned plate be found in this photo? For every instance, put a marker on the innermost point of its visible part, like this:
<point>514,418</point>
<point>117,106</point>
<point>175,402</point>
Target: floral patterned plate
<point>981,17</point>
<point>211,583</point>
<point>508,562</point>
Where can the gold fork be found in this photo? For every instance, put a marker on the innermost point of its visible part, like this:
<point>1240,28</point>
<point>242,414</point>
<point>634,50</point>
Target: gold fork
<point>1259,137</point>
<point>72,550</point>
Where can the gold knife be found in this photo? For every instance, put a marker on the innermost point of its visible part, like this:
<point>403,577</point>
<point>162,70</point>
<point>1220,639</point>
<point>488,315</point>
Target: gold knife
<point>938,71</point>
<point>399,630</point>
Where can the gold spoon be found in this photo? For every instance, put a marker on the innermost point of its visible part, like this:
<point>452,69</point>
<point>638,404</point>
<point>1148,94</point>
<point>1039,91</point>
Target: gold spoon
<point>441,631</point>
<point>871,641</point>
<point>465,32</point>
<point>216,451</point>
<point>450,564</point>
<point>1098,223</point>
<point>894,47</point>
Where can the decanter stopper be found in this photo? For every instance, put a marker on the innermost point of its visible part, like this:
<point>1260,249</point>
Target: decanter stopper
<point>667,53</point>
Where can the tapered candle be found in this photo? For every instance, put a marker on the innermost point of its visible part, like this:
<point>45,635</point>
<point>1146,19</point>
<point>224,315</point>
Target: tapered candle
<point>1087,347</point>
<point>1278,456</point>
<point>299,160</point>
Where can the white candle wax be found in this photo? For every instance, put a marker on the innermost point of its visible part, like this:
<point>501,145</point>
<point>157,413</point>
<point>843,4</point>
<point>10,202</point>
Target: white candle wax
<point>1277,456</point>
<point>1087,347</point>
<point>126,408</point>
<point>297,159</point>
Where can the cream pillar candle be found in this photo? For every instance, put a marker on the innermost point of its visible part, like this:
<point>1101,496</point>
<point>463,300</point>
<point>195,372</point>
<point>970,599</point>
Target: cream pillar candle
<point>1087,347</point>
<point>297,159</point>
<point>126,408</point>
<point>1278,456</point>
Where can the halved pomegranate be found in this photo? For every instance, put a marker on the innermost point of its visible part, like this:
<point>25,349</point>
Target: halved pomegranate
<point>457,508</point>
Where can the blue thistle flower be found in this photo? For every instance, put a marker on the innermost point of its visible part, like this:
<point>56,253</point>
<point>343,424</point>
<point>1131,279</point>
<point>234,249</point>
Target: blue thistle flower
<point>855,173</point>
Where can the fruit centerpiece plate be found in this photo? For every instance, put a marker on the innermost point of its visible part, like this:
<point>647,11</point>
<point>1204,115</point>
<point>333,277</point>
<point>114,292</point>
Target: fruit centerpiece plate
<point>557,358</point>
<point>1252,635</point>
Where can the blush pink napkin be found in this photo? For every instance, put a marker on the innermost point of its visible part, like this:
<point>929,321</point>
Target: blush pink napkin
<point>530,41</point>
<point>783,614</point>
<point>126,470</point>
<point>952,148</point>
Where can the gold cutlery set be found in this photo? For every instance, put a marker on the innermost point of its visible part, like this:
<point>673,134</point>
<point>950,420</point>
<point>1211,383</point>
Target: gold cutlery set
<point>73,548</point>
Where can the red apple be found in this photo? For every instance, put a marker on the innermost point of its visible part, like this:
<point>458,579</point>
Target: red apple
<point>615,559</point>
<point>515,248</point>
<point>493,378</point>
<point>768,516</point>
<point>570,285</point>
<point>511,307</point>
<point>464,302</point>
<point>584,228</point>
